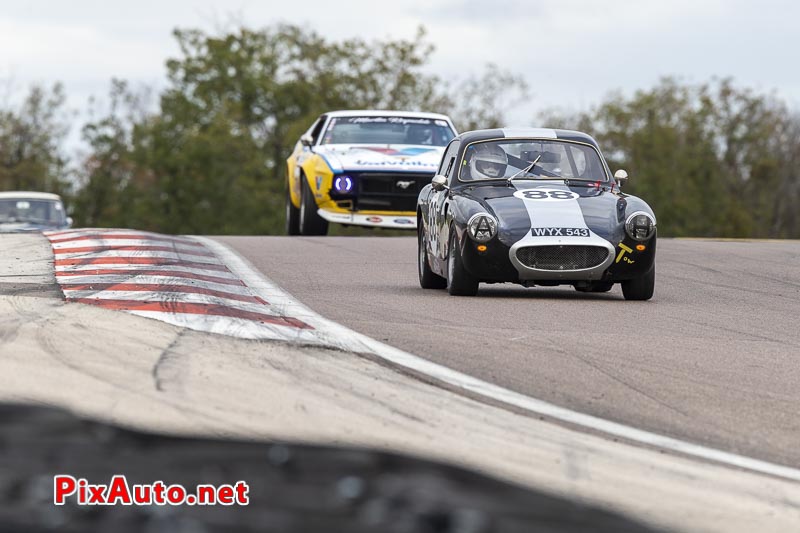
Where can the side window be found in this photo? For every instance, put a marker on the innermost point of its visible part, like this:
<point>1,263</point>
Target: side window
<point>450,166</point>
<point>448,159</point>
<point>317,128</point>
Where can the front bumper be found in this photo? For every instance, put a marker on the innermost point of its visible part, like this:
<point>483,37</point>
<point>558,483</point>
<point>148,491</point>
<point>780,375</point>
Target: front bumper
<point>591,273</point>
<point>495,264</point>
<point>389,221</point>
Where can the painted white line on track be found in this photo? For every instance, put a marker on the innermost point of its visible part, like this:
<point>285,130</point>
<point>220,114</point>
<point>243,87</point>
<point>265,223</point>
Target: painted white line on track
<point>98,283</point>
<point>339,336</point>
<point>166,298</point>
<point>123,266</point>
<point>70,282</point>
<point>124,254</point>
<point>99,243</point>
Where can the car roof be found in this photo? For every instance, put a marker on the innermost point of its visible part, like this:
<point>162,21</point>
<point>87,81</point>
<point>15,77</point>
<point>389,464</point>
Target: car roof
<point>527,133</point>
<point>30,195</point>
<point>377,113</point>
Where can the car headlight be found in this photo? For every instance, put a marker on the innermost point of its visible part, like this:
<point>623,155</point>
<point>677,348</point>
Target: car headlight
<point>640,226</point>
<point>343,184</point>
<point>482,227</point>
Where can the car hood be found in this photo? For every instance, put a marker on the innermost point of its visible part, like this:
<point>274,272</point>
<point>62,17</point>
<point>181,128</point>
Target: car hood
<point>392,158</point>
<point>600,210</point>
<point>26,227</point>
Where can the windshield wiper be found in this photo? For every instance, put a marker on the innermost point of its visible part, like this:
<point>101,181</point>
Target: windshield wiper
<point>526,169</point>
<point>567,181</point>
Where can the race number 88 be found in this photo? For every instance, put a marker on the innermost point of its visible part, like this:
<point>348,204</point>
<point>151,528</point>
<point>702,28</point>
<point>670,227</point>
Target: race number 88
<point>538,194</point>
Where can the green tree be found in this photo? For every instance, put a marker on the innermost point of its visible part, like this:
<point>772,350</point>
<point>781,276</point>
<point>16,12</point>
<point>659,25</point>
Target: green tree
<point>31,140</point>
<point>212,158</point>
<point>711,159</point>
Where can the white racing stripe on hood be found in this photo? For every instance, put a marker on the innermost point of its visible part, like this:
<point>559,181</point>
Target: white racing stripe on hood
<point>553,206</point>
<point>549,211</point>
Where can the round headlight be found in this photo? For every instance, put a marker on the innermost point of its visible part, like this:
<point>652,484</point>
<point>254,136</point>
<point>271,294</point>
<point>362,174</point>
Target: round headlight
<point>640,226</point>
<point>343,184</point>
<point>482,227</point>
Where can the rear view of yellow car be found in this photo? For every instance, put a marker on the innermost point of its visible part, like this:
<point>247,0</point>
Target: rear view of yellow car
<point>363,168</point>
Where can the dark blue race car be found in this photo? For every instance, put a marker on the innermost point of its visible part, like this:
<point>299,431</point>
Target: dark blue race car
<point>535,207</point>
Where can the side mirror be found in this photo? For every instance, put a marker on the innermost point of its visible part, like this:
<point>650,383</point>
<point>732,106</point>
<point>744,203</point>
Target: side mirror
<point>307,140</point>
<point>69,222</point>
<point>439,183</point>
<point>621,176</point>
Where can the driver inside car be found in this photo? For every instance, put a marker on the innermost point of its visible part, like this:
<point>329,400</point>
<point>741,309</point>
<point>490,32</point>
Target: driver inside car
<point>488,161</point>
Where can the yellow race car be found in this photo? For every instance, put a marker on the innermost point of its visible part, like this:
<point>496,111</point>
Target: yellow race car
<point>363,168</point>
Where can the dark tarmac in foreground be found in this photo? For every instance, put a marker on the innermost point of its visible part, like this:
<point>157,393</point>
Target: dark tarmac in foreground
<point>293,488</point>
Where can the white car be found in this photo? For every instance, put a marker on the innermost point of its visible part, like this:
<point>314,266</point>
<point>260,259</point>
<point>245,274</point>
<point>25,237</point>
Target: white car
<point>363,168</point>
<point>26,211</point>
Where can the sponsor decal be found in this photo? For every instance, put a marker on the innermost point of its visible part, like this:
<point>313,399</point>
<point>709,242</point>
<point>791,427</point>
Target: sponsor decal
<point>386,120</point>
<point>403,221</point>
<point>396,162</point>
<point>407,152</point>
<point>559,232</point>
<point>546,194</point>
<point>374,220</point>
<point>623,249</point>
<point>319,182</point>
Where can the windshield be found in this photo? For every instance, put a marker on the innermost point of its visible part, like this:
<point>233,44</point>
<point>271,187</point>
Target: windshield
<point>531,159</point>
<point>29,210</point>
<point>388,130</point>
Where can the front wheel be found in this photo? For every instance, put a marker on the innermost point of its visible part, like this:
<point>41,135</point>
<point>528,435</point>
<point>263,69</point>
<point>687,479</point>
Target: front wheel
<point>292,216</point>
<point>640,288</point>
<point>310,221</point>
<point>459,281</point>
<point>427,278</point>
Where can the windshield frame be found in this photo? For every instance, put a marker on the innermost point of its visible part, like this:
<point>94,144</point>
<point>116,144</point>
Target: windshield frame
<point>504,180</point>
<point>329,119</point>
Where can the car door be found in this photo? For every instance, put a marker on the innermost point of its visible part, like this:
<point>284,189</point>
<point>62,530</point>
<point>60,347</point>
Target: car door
<point>302,153</point>
<point>438,205</point>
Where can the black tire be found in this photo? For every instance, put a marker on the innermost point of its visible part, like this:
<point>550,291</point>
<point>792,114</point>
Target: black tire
<point>310,221</point>
<point>427,278</point>
<point>597,286</point>
<point>292,216</point>
<point>459,281</point>
<point>640,288</point>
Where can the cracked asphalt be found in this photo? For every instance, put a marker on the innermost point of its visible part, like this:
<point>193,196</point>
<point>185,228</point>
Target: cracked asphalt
<point>714,358</point>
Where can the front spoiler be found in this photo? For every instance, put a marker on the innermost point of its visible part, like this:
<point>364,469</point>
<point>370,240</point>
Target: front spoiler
<point>372,221</point>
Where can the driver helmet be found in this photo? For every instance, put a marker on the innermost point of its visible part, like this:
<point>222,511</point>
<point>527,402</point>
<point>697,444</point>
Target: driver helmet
<point>488,162</point>
<point>419,135</point>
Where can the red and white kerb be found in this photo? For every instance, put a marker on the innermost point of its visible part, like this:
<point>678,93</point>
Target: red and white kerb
<point>173,279</point>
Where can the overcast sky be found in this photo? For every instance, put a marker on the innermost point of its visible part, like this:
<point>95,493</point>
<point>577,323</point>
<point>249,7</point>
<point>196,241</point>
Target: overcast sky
<point>571,52</point>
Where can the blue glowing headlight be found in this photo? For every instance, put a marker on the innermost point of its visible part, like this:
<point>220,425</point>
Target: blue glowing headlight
<point>343,184</point>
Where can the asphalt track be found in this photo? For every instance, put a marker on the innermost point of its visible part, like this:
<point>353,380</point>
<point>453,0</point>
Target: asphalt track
<point>714,358</point>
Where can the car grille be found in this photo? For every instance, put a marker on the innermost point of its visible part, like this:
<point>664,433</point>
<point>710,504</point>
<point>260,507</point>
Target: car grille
<point>390,191</point>
<point>562,257</point>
